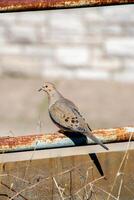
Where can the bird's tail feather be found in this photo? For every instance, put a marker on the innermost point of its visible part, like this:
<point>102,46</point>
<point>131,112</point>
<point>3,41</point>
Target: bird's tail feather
<point>94,158</point>
<point>96,140</point>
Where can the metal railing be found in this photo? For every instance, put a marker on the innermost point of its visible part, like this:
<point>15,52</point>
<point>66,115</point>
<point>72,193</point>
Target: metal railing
<point>56,144</point>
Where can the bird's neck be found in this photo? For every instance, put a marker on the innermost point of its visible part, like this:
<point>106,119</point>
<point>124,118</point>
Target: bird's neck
<point>53,97</point>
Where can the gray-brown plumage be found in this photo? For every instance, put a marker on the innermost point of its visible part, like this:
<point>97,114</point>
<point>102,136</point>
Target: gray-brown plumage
<point>66,115</point>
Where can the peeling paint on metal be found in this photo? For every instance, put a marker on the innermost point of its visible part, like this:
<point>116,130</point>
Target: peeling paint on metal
<point>57,140</point>
<point>130,129</point>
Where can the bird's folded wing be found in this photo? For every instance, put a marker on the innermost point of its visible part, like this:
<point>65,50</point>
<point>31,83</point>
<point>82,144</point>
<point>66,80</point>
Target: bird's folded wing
<point>65,115</point>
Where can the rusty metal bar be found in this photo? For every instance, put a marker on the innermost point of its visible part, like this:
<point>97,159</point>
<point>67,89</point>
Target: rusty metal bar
<point>58,140</point>
<point>25,5</point>
<point>41,146</point>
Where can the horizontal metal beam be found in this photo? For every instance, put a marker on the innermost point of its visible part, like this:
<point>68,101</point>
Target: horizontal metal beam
<point>60,140</point>
<point>41,146</point>
<point>25,5</point>
<point>62,152</point>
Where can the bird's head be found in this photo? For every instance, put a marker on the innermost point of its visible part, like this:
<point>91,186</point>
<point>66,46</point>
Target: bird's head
<point>47,87</point>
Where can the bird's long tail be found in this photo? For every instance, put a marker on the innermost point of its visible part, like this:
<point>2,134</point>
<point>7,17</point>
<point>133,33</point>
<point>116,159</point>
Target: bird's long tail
<point>96,140</point>
<point>94,158</point>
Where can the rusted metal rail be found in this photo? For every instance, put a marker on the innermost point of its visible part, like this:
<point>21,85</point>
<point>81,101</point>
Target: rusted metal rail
<point>56,144</point>
<point>25,5</point>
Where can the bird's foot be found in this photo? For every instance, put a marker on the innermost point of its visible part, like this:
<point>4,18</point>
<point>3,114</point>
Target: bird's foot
<point>61,131</point>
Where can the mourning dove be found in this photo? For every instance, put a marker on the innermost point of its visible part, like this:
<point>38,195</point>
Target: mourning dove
<point>66,115</point>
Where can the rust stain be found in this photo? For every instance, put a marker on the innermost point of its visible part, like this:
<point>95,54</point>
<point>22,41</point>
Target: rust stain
<point>117,134</point>
<point>108,135</point>
<point>11,142</point>
<point>17,5</point>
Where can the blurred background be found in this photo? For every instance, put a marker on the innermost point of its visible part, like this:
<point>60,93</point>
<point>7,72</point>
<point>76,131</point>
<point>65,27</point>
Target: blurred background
<point>87,53</point>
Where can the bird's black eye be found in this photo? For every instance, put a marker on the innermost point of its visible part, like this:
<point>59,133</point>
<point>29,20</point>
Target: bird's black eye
<point>46,86</point>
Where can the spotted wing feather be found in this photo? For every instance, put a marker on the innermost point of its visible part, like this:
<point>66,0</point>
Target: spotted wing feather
<point>66,115</point>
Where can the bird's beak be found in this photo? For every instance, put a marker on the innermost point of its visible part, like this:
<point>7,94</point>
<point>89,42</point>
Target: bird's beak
<point>40,89</point>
